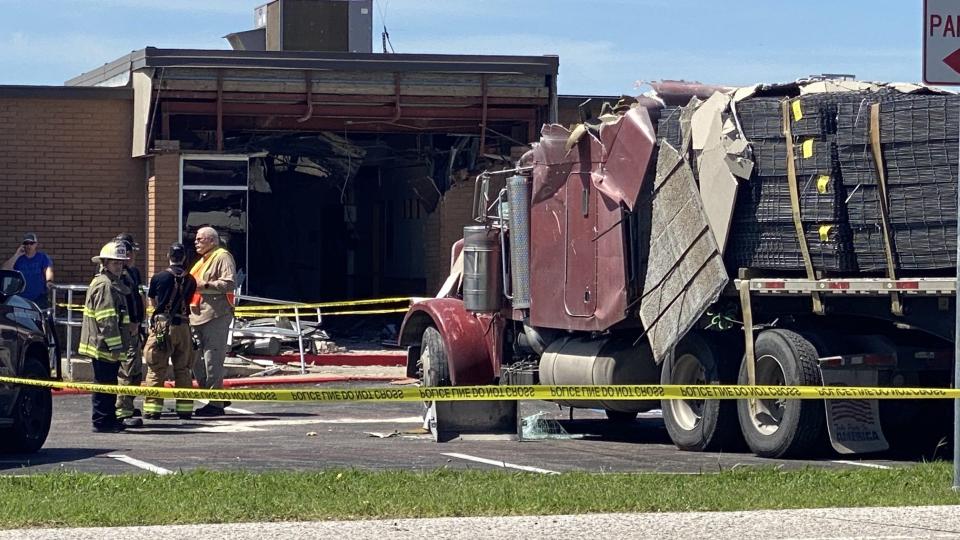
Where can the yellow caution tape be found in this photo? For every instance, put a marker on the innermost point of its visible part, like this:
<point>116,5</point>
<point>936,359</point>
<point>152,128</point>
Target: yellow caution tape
<point>807,147</point>
<point>823,183</point>
<point>825,232</point>
<point>242,315</point>
<point>797,111</point>
<point>276,307</point>
<point>489,393</point>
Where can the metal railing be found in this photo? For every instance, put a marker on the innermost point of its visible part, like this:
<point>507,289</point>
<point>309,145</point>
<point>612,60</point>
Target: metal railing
<point>65,314</point>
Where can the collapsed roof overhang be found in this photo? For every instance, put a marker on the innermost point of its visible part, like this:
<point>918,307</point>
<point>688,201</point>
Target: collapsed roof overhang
<point>344,92</point>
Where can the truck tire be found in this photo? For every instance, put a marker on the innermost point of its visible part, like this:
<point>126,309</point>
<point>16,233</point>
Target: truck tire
<point>434,370</point>
<point>694,424</point>
<point>32,413</point>
<point>777,428</point>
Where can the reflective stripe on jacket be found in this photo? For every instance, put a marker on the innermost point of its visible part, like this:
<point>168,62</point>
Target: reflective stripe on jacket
<point>104,314</point>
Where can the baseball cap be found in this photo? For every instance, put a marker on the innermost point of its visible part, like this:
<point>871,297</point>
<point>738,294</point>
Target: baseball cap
<point>127,238</point>
<point>29,237</point>
<point>177,253</point>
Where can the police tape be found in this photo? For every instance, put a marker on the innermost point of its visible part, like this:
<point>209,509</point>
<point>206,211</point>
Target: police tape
<point>496,393</point>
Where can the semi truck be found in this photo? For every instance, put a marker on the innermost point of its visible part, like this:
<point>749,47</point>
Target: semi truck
<point>769,235</point>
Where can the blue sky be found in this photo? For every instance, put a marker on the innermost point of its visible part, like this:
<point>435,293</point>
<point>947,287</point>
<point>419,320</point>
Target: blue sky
<point>605,46</point>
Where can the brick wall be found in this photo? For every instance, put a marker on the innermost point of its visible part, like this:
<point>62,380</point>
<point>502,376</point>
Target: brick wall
<point>163,210</point>
<point>66,174</point>
<point>443,228</point>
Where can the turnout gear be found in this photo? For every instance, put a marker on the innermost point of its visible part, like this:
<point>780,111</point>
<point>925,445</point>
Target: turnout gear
<point>104,316</point>
<point>169,340</point>
<point>103,339</point>
<point>131,365</point>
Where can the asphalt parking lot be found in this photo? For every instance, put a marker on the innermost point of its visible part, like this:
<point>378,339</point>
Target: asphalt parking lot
<point>370,436</point>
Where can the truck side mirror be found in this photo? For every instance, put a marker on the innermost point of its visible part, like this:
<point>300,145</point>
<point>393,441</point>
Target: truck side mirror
<point>11,282</point>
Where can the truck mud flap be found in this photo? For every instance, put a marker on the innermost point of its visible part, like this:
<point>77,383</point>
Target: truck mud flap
<point>449,420</point>
<point>853,424</point>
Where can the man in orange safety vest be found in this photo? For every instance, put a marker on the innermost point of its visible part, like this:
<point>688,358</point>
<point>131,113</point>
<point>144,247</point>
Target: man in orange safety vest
<point>211,312</point>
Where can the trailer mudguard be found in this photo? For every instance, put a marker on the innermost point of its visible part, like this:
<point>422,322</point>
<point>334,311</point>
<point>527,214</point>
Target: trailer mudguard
<point>468,352</point>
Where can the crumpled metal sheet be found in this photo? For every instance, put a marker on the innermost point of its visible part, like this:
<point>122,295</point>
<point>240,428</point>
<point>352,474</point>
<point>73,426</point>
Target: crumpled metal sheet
<point>685,272</point>
<point>623,147</point>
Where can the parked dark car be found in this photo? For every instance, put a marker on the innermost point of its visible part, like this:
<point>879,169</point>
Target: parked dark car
<point>26,342</point>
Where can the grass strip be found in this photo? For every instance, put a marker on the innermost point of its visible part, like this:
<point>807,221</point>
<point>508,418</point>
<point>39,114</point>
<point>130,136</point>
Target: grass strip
<point>83,499</point>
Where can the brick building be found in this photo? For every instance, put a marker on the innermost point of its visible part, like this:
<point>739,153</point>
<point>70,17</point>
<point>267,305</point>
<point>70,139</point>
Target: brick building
<point>331,175</point>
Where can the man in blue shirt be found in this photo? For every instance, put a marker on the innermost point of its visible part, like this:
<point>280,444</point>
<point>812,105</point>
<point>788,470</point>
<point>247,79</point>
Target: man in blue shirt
<point>36,267</point>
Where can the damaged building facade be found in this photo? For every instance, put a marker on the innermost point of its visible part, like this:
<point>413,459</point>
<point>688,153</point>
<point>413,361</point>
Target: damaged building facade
<point>331,175</point>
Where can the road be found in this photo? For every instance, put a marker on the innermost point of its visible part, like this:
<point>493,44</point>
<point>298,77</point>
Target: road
<point>372,436</point>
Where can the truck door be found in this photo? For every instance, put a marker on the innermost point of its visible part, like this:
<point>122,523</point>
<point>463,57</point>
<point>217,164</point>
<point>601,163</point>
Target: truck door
<point>580,261</point>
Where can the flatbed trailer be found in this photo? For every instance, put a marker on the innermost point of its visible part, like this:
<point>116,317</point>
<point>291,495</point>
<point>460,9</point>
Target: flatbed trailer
<point>597,260</point>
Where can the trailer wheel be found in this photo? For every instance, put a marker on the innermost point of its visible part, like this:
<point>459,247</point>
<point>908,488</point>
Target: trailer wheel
<point>695,424</point>
<point>434,370</point>
<point>783,427</point>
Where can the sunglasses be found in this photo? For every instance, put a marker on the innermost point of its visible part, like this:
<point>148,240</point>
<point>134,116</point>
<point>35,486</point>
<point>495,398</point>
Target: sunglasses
<point>29,243</point>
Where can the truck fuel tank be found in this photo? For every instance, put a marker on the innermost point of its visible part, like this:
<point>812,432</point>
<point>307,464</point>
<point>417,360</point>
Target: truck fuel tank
<point>601,361</point>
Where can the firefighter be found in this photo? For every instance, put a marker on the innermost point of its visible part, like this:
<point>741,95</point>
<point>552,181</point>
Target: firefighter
<point>131,367</point>
<point>102,335</point>
<point>169,338</point>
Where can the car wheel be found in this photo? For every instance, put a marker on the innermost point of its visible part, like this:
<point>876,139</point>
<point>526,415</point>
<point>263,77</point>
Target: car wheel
<point>32,413</point>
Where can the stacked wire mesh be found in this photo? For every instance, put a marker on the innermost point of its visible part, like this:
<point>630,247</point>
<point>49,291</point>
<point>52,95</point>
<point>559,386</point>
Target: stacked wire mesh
<point>763,234</point>
<point>668,126</point>
<point>919,146</point>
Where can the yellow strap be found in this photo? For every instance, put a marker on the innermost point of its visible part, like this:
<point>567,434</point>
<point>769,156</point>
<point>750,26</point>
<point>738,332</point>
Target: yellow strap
<point>823,184</point>
<point>797,111</point>
<point>825,232</point>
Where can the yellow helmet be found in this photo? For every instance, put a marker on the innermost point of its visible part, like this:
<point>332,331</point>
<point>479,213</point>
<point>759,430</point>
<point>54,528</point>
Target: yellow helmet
<point>114,250</point>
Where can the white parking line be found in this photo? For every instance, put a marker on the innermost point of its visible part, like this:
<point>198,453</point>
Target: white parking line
<point>141,464</point>
<point>502,464</point>
<point>861,464</point>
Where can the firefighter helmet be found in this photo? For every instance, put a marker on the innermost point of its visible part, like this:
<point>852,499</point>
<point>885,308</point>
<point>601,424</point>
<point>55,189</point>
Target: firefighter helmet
<point>114,250</point>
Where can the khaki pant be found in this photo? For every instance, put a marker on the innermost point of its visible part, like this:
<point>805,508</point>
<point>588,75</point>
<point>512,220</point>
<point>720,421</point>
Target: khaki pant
<point>208,364</point>
<point>179,352</point>
<point>131,372</point>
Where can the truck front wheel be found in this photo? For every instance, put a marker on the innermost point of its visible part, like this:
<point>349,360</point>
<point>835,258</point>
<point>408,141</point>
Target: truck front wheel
<point>695,424</point>
<point>434,370</point>
<point>780,427</point>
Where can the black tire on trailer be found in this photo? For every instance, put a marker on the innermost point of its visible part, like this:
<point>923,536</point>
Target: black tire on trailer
<point>694,424</point>
<point>777,428</point>
<point>32,413</point>
<point>434,370</point>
